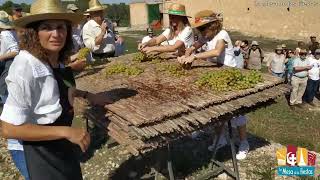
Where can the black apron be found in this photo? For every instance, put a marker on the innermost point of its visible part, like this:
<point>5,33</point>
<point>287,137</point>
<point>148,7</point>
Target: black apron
<point>55,160</point>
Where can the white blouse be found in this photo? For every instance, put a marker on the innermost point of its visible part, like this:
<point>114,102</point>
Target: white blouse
<point>33,92</point>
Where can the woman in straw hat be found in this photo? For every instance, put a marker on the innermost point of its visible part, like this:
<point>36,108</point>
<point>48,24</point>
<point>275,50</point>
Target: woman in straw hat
<point>179,34</point>
<point>219,43</point>
<point>39,108</point>
<point>219,46</point>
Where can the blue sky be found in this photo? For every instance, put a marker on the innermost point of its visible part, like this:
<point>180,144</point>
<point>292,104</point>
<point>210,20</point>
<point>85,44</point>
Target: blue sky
<point>103,1</point>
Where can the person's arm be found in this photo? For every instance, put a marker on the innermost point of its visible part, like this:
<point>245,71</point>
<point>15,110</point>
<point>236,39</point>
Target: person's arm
<point>168,48</point>
<point>301,68</point>
<point>220,46</point>
<point>8,56</point>
<point>153,42</point>
<point>99,39</point>
<point>214,52</point>
<point>32,132</point>
<point>196,45</point>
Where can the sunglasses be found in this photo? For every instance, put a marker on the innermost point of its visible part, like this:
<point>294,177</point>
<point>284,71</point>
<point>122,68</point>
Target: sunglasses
<point>302,54</point>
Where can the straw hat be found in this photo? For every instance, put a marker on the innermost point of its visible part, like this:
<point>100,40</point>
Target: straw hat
<point>279,47</point>
<point>284,46</point>
<point>177,10</point>
<point>149,30</point>
<point>204,17</point>
<point>46,10</point>
<point>5,23</point>
<point>95,5</point>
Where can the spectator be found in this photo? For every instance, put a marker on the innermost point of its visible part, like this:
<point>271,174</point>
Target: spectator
<point>245,50</point>
<point>289,65</point>
<point>179,35</point>
<point>301,66</point>
<point>148,37</point>
<point>98,33</point>
<point>255,56</point>
<point>284,49</point>
<point>301,45</point>
<point>119,49</point>
<point>313,81</point>
<point>16,12</point>
<point>276,63</point>
<point>238,54</point>
<point>313,44</point>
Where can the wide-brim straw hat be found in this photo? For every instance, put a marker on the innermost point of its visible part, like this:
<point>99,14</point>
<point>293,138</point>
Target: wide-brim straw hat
<point>205,17</point>
<point>5,22</point>
<point>46,10</point>
<point>177,10</point>
<point>95,5</point>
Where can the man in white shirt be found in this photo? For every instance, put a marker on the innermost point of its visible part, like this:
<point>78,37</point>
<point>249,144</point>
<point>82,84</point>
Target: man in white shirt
<point>313,80</point>
<point>276,62</point>
<point>98,33</point>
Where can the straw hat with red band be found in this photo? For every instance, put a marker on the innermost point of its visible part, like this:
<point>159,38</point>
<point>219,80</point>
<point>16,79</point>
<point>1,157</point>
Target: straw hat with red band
<point>177,10</point>
<point>205,17</point>
<point>45,10</point>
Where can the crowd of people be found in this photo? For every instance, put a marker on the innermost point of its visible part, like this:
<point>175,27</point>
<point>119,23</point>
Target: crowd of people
<point>39,52</point>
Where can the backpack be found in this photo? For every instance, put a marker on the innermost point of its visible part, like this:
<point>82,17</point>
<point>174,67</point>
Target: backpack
<point>260,51</point>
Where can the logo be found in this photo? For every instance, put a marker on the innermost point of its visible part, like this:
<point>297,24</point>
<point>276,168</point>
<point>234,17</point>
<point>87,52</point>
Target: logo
<point>293,161</point>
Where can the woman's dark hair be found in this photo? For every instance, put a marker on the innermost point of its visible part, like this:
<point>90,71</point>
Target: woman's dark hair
<point>30,42</point>
<point>245,42</point>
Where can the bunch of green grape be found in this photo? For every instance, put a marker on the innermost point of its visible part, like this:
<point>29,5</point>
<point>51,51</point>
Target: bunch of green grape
<point>123,69</point>
<point>173,69</point>
<point>83,53</point>
<point>229,79</point>
<point>143,57</point>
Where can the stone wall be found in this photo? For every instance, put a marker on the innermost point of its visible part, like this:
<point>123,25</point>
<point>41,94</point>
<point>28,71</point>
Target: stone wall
<point>282,19</point>
<point>139,15</point>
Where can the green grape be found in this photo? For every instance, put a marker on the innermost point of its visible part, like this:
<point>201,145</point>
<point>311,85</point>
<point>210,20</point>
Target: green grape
<point>229,79</point>
<point>83,53</point>
<point>123,69</point>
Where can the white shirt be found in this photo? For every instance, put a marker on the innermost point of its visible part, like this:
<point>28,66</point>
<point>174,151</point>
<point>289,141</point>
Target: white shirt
<point>9,42</point>
<point>277,63</point>
<point>227,56</point>
<point>315,71</point>
<point>146,39</point>
<point>186,36</point>
<point>89,33</point>
<point>33,92</point>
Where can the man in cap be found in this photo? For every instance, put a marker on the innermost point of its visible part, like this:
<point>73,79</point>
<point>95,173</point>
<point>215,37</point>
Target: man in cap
<point>313,44</point>
<point>98,33</point>
<point>255,56</point>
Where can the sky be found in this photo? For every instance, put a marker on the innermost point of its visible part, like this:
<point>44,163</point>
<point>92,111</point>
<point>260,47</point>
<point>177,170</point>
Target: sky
<point>102,1</point>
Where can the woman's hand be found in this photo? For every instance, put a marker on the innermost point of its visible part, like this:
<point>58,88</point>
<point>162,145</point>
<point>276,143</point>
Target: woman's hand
<point>148,50</point>
<point>141,46</point>
<point>79,136</point>
<point>78,64</point>
<point>189,51</point>
<point>99,99</point>
<point>186,60</point>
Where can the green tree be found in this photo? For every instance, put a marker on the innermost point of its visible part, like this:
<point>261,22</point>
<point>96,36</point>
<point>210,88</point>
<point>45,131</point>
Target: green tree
<point>119,13</point>
<point>7,6</point>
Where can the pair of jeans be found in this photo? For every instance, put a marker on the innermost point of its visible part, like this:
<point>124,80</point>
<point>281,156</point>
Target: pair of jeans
<point>280,75</point>
<point>19,160</point>
<point>311,90</point>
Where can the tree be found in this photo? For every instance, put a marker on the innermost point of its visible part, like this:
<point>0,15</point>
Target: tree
<point>7,6</point>
<point>119,13</point>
